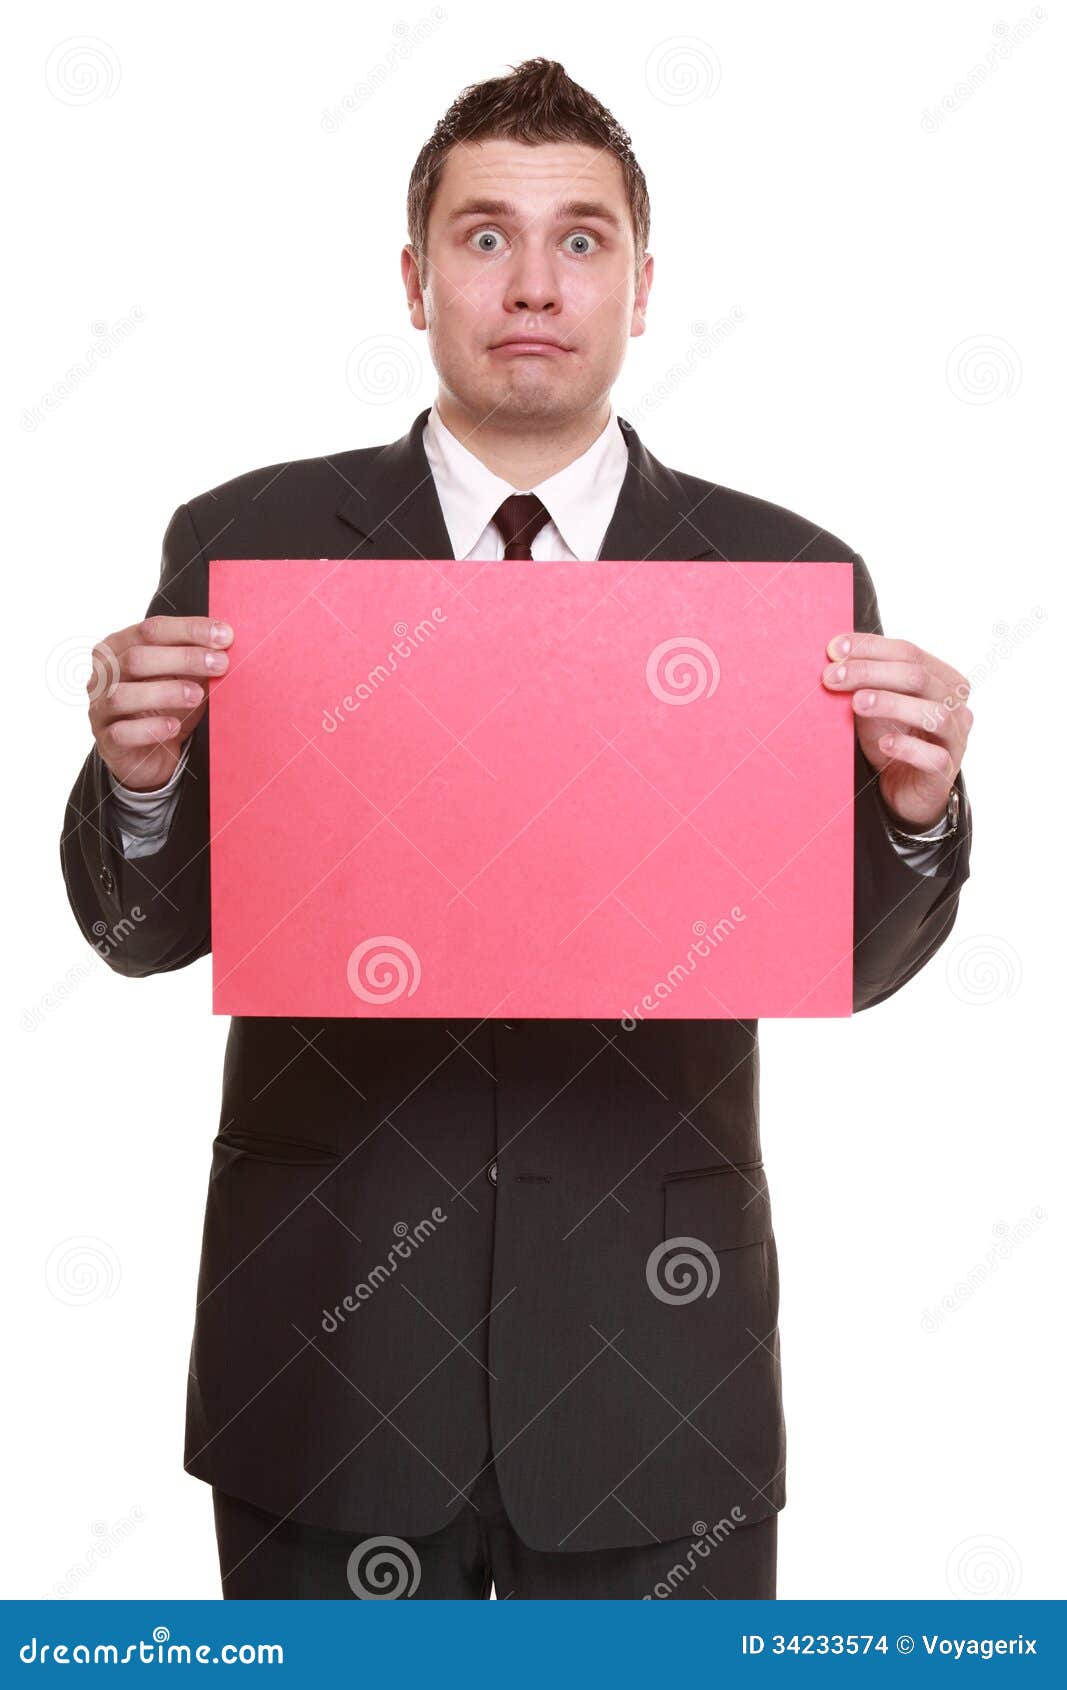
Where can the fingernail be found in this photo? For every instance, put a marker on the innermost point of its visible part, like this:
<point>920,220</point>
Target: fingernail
<point>220,632</point>
<point>191,693</point>
<point>215,660</point>
<point>841,645</point>
<point>866,700</point>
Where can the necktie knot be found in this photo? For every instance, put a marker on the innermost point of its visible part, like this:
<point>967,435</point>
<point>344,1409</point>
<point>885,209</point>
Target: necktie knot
<point>519,518</point>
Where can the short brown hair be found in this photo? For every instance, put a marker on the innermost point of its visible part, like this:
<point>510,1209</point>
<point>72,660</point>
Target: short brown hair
<point>537,102</point>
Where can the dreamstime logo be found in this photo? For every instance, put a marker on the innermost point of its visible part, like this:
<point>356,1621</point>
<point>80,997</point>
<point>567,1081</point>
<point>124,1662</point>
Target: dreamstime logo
<point>106,1539</point>
<point>682,1270</point>
<point>407,39</point>
<point>405,645</point>
<point>161,1649</point>
<point>983,969</point>
<point>1009,637</point>
<point>704,943</point>
<point>106,338</point>
<point>682,70</point>
<point>57,994</point>
<point>1008,37</point>
<point>383,369</point>
<point>707,340</point>
<point>681,670</point>
<point>82,70</point>
<point>381,1569</point>
<point>1008,1238</point>
<point>384,968</point>
<point>77,669</point>
<point>408,1240</point>
<point>703,1544</point>
<point>105,940</point>
<point>983,369</point>
<point>82,1270</point>
<point>983,1566</point>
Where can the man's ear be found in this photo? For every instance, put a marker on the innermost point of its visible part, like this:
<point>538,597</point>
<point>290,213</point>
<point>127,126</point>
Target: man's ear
<point>637,322</point>
<point>409,269</point>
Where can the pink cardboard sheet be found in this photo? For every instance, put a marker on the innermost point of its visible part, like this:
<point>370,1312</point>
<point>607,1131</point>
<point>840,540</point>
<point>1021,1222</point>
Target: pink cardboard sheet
<point>470,789</point>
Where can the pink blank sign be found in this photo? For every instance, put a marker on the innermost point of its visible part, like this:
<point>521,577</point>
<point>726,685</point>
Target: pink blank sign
<point>469,789</point>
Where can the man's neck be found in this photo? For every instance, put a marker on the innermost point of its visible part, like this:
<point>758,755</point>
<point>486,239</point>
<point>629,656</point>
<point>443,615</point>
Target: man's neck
<point>524,458</point>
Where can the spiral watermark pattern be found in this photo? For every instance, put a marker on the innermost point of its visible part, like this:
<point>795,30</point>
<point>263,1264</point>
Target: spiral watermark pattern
<point>988,1567</point>
<point>383,369</point>
<point>77,670</point>
<point>381,1569</point>
<point>384,968</point>
<point>983,969</point>
<point>82,70</point>
<point>682,1270</point>
<point>82,1270</point>
<point>682,669</point>
<point>983,369</point>
<point>682,70</point>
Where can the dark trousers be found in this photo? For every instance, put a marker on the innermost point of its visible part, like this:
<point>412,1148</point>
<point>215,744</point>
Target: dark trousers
<point>260,1556</point>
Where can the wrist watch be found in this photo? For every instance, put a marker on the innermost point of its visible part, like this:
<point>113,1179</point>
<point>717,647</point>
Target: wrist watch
<point>943,829</point>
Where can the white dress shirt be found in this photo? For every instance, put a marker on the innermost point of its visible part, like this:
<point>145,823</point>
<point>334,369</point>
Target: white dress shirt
<point>580,500</point>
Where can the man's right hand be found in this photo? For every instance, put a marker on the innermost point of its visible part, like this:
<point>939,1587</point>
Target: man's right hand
<point>148,690</point>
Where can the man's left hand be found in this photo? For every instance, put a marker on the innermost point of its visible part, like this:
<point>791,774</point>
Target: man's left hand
<point>911,717</point>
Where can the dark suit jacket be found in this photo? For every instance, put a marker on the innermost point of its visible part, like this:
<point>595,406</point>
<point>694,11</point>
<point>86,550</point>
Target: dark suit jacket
<point>488,1197</point>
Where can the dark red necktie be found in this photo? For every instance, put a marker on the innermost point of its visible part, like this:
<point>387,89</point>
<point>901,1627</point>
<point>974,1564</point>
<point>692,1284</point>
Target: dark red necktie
<point>518,520</point>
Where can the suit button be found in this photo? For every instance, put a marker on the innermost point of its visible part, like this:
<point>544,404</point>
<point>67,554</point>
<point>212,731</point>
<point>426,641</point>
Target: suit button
<point>107,879</point>
<point>491,1173</point>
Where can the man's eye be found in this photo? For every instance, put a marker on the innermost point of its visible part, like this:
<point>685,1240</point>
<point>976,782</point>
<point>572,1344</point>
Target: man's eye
<point>482,238</point>
<point>492,241</point>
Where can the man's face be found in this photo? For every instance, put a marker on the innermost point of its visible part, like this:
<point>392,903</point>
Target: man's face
<point>537,241</point>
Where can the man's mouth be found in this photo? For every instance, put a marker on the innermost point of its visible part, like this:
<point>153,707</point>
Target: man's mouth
<point>539,345</point>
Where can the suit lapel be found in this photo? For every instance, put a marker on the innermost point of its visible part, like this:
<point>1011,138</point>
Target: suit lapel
<point>653,517</point>
<point>396,511</point>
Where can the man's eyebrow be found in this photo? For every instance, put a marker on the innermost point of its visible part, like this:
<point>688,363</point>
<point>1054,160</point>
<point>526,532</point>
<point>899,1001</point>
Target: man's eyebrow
<point>569,210</point>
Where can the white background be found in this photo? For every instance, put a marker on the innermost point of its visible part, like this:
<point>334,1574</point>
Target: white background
<point>894,373</point>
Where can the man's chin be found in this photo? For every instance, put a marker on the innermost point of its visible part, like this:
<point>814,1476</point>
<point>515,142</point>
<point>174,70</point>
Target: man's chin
<point>532,396</point>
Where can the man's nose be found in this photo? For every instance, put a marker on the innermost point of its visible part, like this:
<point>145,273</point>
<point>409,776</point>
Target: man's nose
<point>533,299</point>
<point>533,285</point>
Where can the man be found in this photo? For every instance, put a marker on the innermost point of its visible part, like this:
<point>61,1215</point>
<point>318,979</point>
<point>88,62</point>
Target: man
<point>440,1342</point>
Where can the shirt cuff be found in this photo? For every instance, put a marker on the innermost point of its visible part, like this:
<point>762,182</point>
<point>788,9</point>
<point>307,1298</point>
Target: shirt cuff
<point>127,797</point>
<point>921,851</point>
<point>144,817</point>
<point>937,831</point>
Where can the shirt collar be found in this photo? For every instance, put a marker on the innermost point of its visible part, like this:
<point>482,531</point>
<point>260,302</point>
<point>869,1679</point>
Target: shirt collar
<point>580,498</point>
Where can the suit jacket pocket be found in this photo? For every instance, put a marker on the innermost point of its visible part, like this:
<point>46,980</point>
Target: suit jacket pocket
<point>718,1222</point>
<point>726,1207</point>
<point>274,1147</point>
